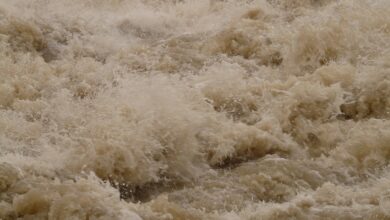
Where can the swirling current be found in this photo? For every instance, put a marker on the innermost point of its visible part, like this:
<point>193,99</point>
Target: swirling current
<point>194,109</point>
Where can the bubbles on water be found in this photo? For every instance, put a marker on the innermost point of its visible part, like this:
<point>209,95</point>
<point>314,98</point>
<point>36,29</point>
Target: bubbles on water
<point>265,109</point>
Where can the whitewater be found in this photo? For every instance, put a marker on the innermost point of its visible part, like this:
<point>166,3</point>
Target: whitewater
<point>194,109</point>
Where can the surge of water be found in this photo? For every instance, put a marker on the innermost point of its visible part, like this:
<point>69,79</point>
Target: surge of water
<point>206,109</point>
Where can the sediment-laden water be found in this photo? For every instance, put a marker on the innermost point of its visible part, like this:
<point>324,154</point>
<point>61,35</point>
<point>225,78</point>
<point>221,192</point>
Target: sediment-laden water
<point>206,109</point>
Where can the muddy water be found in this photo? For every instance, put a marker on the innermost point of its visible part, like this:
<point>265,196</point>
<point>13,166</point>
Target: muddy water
<point>163,109</point>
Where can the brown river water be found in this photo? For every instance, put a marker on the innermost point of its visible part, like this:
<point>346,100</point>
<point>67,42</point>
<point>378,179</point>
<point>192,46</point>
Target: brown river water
<point>194,109</point>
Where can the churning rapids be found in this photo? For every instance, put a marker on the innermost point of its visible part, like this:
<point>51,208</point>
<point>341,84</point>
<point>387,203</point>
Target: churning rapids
<point>194,109</point>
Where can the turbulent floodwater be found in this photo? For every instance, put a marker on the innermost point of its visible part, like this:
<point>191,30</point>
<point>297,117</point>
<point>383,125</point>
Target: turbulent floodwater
<point>194,109</point>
